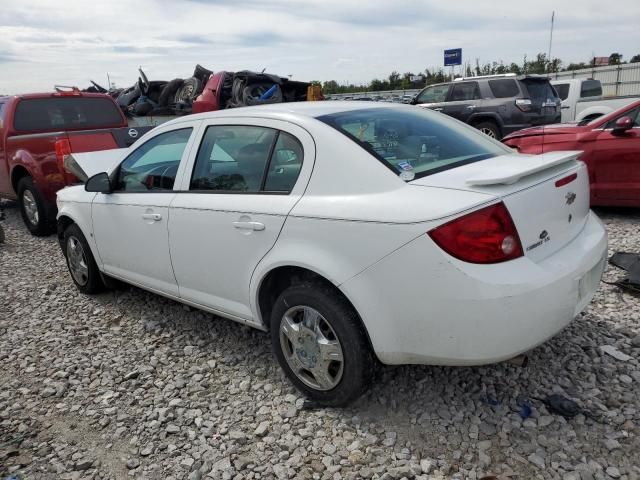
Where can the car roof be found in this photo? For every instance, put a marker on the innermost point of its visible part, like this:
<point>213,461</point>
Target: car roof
<point>301,109</point>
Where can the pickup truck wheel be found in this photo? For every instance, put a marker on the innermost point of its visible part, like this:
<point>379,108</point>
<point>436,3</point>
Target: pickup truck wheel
<point>80,262</point>
<point>490,129</point>
<point>32,208</point>
<point>320,343</point>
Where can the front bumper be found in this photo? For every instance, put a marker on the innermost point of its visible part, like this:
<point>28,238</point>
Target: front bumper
<point>421,306</point>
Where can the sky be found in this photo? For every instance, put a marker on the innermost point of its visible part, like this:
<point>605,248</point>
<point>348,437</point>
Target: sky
<point>46,42</point>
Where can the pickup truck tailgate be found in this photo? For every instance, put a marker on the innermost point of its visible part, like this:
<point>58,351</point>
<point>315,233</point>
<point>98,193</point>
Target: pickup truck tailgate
<point>104,139</point>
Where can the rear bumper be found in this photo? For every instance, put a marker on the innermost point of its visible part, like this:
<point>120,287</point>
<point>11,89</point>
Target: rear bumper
<point>421,306</point>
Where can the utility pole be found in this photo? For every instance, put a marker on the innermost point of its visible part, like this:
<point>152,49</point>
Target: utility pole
<point>553,14</point>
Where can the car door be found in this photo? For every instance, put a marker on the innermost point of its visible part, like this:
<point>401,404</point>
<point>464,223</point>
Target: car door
<point>616,162</point>
<point>237,191</point>
<point>433,97</point>
<point>130,224</point>
<point>462,100</point>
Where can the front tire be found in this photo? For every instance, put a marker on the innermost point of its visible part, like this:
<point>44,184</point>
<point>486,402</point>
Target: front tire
<point>321,345</point>
<point>33,208</point>
<point>80,262</point>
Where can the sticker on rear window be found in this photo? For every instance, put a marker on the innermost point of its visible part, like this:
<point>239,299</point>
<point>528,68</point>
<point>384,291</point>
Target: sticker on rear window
<point>406,166</point>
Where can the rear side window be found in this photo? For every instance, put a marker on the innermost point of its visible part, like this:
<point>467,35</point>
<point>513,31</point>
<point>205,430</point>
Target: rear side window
<point>539,90</point>
<point>504,88</point>
<point>563,90</point>
<point>66,113</point>
<point>414,143</point>
<point>464,91</point>
<point>238,158</point>
<point>590,88</point>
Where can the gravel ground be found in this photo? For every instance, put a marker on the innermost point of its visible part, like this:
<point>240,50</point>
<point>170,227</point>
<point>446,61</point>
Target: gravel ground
<point>128,384</point>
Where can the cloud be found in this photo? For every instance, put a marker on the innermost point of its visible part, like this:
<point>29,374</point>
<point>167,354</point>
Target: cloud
<point>193,39</point>
<point>139,50</point>
<point>42,44</point>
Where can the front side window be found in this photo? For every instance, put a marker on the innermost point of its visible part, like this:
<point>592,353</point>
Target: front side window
<point>433,94</point>
<point>414,143</point>
<point>153,165</point>
<point>465,91</point>
<point>239,158</point>
<point>633,114</point>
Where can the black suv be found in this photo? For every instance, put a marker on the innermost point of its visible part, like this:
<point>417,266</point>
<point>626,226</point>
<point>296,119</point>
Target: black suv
<point>498,104</point>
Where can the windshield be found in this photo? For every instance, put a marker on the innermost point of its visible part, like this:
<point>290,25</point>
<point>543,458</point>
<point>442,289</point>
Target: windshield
<point>414,142</point>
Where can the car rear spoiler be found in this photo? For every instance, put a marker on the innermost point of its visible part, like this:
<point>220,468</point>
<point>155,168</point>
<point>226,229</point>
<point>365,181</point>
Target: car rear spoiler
<point>507,169</point>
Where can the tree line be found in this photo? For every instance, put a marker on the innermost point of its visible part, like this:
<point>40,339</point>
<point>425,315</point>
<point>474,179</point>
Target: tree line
<point>396,81</point>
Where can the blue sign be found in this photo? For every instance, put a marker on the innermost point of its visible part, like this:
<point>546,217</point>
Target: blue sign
<point>453,57</point>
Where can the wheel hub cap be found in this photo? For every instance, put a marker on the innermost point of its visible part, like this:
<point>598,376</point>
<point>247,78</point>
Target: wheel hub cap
<point>77,261</point>
<point>30,207</point>
<point>311,348</point>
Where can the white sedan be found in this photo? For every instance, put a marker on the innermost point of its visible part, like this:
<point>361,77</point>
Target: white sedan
<point>353,232</point>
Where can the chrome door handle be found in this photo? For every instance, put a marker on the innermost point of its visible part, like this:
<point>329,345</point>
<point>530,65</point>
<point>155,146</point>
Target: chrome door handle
<point>156,217</point>
<point>471,107</point>
<point>257,226</point>
<point>438,109</point>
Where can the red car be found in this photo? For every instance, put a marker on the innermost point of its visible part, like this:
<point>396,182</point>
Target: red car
<point>611,146</point>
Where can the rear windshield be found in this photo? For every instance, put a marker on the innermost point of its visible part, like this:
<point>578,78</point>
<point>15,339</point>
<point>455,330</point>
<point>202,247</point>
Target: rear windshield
<point>66,113</point>
<point>540,91</point>
<point>590,88</point>
<point>414,142</point>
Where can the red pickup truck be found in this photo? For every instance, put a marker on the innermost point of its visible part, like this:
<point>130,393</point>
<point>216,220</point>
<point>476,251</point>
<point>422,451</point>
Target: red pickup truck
<point>38,130</point>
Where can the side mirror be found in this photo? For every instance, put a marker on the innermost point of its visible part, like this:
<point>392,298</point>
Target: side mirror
<point>622,125</point>
<point>100,183</point>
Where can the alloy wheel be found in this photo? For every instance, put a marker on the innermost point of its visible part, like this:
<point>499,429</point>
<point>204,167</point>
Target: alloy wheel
<point>489,132</point>
<point>30,207</point>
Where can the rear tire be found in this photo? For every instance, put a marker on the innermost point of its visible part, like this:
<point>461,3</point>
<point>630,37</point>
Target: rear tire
<point>490,129</point>
<point>33,208</point>
<point>331,362</point>
<point>80,262</point>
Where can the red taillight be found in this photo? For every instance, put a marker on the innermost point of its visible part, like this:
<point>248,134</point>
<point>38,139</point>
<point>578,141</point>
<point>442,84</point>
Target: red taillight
<point>487,235</point>
<point>63,148</point>
<point>566,180</point>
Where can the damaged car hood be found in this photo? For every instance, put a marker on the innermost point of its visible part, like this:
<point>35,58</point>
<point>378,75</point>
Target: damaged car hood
<point>86,165</point>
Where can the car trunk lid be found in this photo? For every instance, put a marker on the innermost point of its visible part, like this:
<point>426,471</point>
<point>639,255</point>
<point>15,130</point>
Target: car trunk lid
<point>547,195</point>
<point>86,165</point>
